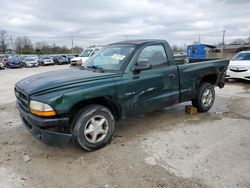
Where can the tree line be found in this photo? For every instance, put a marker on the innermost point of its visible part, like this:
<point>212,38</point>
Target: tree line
<point>24,45</point>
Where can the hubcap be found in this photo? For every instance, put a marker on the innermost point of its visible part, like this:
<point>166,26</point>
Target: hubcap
<point>207,97</point>
<point>96,129</point>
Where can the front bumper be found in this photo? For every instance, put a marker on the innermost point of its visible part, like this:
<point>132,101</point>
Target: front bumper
<point>48,63</point>
<point>41,128</point>
<point>32,65</point>
<point>238,75</point>
<point>76,63</point>
<point>15,65</point>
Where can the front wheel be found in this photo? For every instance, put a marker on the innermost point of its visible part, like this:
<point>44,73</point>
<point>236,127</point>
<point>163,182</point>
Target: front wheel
<point>205,97</point>
<point>93,127</point>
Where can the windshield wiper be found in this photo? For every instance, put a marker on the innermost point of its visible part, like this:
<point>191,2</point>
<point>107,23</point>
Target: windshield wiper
<point>96,67</point>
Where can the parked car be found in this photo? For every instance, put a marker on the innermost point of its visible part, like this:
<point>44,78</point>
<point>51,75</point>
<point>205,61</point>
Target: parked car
<point>4,61</point>
<point>45,60</point>
<point>30,62</point>
<point>122,80</point>
<point>22,58</point>
<point>60,60</point>
<point>84,56</point>
<point>232,48</point>
<point>239,66</point>
<point>69,57</point>
<point>55,57</point>
<point>34,57</point>
<point>14,62</point>
<point>1,63</point>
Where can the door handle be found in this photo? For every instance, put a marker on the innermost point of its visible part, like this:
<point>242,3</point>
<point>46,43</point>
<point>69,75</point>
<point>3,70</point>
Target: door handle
<point>171,75</point>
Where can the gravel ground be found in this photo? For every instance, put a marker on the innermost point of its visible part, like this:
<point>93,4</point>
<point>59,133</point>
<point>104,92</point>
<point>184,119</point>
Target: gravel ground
<point>167,148</point>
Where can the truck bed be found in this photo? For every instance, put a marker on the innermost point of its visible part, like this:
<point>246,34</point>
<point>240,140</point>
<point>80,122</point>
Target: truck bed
<point>192,73</point>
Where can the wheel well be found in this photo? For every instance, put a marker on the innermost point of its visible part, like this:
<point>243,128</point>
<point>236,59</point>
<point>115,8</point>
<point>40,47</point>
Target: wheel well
<point>212,78</point>
<point>111,103</point>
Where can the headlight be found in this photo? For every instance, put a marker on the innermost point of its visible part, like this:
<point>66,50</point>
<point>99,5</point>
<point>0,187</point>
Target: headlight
<point>41,109</point>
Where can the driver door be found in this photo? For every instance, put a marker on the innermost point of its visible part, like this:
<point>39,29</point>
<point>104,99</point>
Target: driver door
<point>152,89</point>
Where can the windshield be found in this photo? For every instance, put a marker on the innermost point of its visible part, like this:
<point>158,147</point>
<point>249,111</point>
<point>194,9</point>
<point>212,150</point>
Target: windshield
<point>13,58</point>
<point>110,57</point>
<point>86,53</point>
<point>242,56</point>
<point>30,59</point>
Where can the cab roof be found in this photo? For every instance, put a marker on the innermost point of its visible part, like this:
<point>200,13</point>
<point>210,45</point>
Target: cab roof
<point>139,42</point>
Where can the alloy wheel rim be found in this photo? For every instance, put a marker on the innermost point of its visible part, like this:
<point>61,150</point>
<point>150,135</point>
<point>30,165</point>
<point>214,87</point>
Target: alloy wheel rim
<point>207,97</point>
<point>96,129</point>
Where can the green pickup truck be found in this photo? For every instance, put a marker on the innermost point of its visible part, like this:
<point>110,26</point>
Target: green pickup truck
<point>122,80</point>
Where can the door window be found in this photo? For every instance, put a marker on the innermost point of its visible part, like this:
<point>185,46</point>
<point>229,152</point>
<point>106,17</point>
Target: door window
<point>153,54</point>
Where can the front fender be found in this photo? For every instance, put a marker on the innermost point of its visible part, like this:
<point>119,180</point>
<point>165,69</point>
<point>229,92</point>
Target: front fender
<point>63,99</point>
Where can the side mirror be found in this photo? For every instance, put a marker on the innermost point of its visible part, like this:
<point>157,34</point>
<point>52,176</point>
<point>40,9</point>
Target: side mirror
<point>142,65</point>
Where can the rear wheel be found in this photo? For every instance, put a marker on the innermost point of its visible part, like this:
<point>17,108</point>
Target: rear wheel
<point>205,97</point>
<point>93,127</point>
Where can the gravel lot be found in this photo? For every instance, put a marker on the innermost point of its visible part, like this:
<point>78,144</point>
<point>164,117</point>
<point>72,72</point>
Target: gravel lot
<point>167,148</point>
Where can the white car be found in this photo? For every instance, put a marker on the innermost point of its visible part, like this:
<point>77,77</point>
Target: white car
<point>84,56</point>
<point>30,62</point>
<point>46,60</point>
<point>239,66</point>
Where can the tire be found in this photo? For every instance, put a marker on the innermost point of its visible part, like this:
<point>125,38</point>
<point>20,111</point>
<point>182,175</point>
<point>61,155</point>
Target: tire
<point>85,129</point>
<point>205,97</point>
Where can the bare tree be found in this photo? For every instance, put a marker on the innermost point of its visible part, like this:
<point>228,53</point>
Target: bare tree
<point>23,45</point>
<point>77,50</point>
<point>19,45</point>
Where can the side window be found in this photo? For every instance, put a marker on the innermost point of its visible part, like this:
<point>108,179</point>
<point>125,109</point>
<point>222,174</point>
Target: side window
<point>154,54</point>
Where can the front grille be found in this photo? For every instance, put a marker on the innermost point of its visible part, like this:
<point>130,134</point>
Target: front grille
<point>22,100</point>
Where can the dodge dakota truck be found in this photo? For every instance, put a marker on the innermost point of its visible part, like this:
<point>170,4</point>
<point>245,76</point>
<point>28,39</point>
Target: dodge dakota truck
<point>121,80</point>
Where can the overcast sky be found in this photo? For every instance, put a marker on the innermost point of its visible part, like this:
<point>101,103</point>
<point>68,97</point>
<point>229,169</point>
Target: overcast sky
<point>100,22</point>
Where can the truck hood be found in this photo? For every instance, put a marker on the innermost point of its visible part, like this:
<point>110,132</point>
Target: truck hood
<point>54,79</point>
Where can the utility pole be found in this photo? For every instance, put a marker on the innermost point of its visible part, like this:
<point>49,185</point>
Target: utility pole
<point>223,41</point>
<point>11,44</point>
<point>199,38</point>
<point>21,47</point>
<point>72,44</point>
<point>3,32</point>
